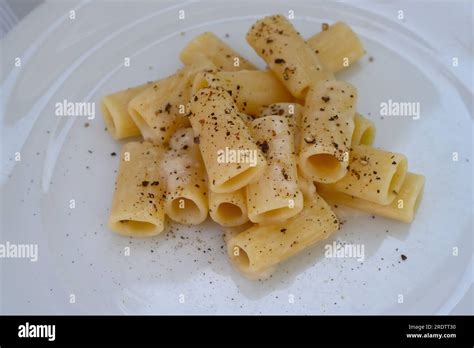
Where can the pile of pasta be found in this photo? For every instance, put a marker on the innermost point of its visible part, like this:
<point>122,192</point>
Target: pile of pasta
<point>263,152</point>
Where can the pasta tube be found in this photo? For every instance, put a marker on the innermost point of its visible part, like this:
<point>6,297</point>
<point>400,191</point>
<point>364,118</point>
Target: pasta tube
<point>186,182</point>
<point>161,108</point>
<point>364,131</point>
<point>231,157</point>
<point>228,209</point>
<point>327,127</point>
<point>375,175</point>
<point>275,195</point>
<point>114,108</point>
<point>292,60</point>
<point>209,47</point>
<point>231,232</point>
<point>137,205</point>
<point>337,47</point>
<point>250,89</point>
<point>402,208</point>
<point>261,247</point>
<point>292,112</point>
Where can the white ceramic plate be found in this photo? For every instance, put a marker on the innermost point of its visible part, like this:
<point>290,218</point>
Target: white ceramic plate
<point>82,59</point>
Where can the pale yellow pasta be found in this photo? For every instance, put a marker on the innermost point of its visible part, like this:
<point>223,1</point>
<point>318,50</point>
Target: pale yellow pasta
<point>364,131</point>
<point>259,150</point>
<point>262,274</point>
<point>263,246</point>
<point>186,181</point>
<point>137,205</point>
<point>114,108</point>
<point>208,46</point>
<point>161,108</point>
<point>246,118</point>
<point>250,89</point>
<point>326,131</point>
<point>292,60</point>
<point>231,157</point>
<point>292,112</point>
<point>337,47</point>
<point>402,208</point>
<point>228,209</point>
<point>375,175</point>
<point>307,187</point>
<point>275,195</point>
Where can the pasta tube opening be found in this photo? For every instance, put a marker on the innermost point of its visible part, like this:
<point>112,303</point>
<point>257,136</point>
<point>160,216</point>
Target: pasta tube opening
<point>364,131</point>
<point>186,210</point>
<point>229,211</point>
<point>398,178</point>
<point>368,136</point>
<point>324,166</point>
<point>241,258</point>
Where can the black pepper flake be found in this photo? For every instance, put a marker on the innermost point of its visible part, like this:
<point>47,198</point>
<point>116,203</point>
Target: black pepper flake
<point>283,230</point>
<point>196,140</point>
<point>264,147</point>
<point>155,183</point>
<point>403,257</point>
<point>145,183</point>
<point>280,61</point>
<point>284,173</point>
<point>168,107</point>
<point>195,98</point>
<point>113,154</point>
<point>325,99</point>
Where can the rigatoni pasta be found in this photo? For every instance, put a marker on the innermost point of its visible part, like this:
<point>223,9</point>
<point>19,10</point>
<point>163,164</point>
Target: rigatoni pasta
<point>160,109</point>
<point>186,199</point>
<point>277,42</point>
<point>337,46</point>
<point>275,195</point>
<point>208,46</point>
<point>236,142</point>
<point>375,175</point>
<point>263,246</point>
<point>364,131</point>
<point>114,108</point>
<point>326,131</point>
<point>250,89</point>
<point>138,205</point>
<point>402,208</point>
<point>292,112</point>
<point>228,209</point>
<point>231,157</point>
